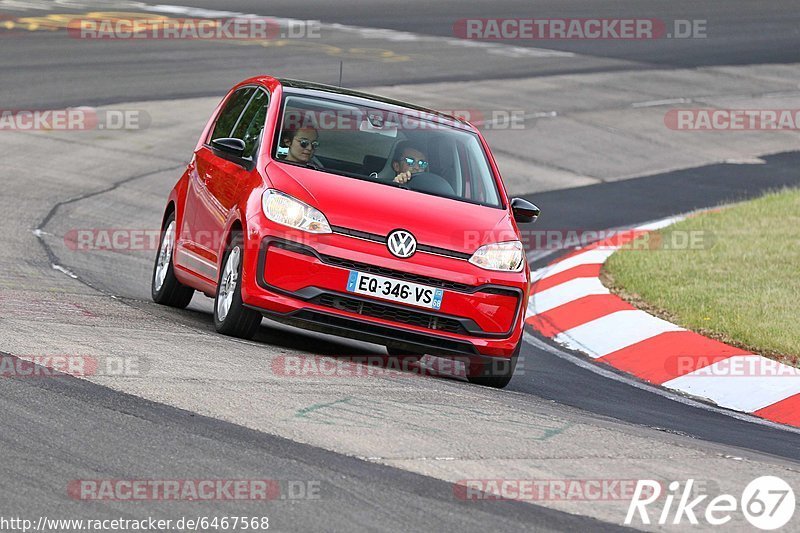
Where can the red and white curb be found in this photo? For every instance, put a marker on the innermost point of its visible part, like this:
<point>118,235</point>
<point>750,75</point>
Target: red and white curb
<point>571,306</point>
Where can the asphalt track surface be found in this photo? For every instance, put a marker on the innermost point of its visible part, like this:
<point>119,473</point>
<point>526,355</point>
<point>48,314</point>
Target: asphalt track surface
<point>67,428</point>
<point>42,69</point>
<point>93,431</point>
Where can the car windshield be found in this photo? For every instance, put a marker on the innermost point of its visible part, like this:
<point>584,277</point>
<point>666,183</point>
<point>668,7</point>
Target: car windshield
<point>408,149</point>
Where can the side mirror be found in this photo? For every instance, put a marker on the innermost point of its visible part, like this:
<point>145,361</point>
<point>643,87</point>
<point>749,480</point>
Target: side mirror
<point>524,211</point>
<point>229,145</point>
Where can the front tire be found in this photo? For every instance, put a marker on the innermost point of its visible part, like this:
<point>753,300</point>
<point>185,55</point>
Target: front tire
<point>231,317</point>
<point>495,373</point>
<point>165,288</point>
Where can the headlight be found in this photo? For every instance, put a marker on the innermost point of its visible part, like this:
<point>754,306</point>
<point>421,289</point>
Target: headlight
<point>507,256</point>
<point>283,209</point>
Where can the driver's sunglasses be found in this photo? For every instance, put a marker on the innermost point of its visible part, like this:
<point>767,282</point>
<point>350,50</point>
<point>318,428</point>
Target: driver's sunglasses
<point>305,143</point>
<point>410,161</point>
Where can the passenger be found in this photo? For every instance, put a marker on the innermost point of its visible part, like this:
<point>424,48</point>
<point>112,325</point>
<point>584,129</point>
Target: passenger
<point>301,142</point>
<point>408,160</point>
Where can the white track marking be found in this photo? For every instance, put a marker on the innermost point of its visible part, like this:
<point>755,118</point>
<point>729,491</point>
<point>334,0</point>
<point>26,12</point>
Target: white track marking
<point>657,103</point>
<point>404,36</point>
<point>594,256</point>
<point>660,224</point>
<point>64,270</point>
<point>565,293</point>
<point>765,382</point>
<point>613,332</point>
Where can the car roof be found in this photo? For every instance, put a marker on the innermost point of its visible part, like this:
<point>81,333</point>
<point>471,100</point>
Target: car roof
<point>312,86</point>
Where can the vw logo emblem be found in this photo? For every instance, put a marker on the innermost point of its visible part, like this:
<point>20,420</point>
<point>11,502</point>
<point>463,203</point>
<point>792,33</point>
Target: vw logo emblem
<point>401,243</point>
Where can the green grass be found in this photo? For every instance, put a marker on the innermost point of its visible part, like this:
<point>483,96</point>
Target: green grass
<point>739,283</point>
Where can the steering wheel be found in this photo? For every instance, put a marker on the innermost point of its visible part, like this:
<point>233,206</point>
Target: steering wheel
<point>430,183</point>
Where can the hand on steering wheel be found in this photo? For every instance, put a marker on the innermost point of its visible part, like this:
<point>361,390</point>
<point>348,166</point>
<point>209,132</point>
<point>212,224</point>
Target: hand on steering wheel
<point>403,177</point>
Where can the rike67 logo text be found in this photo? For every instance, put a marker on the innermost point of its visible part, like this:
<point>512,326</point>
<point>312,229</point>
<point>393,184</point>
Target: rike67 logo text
<point>767,503</point>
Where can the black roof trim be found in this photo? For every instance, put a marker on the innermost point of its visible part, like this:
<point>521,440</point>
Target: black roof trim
<point>300,84</point>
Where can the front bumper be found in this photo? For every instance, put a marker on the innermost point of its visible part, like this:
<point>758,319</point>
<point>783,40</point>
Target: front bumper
<point>304,284</point>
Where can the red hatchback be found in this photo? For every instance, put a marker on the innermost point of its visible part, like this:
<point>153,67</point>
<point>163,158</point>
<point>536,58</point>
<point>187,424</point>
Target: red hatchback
<point>351,214</point>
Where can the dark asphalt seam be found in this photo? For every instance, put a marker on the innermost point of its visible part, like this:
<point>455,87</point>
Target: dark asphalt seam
<point>51,255</point>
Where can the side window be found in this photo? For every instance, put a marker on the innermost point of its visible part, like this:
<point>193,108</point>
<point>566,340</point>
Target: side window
<point>251,123</point>
<point>229,116</point>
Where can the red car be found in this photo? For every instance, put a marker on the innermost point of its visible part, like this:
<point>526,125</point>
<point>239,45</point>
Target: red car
<point>351,214</point>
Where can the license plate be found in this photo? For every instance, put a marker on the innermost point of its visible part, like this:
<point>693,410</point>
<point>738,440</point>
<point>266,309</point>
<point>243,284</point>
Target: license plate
<point>394,290</point>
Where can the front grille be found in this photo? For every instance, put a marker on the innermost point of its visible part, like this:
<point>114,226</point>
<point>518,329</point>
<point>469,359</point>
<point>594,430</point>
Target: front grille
<point>442,251</point>
<point>360,234</point>
<point>391,313</point>
<point>382,239</point>
<point>396,274</point>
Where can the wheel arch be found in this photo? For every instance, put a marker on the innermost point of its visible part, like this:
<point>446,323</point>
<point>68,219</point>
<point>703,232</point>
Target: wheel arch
<point>233,226</point>
<point>170,209</point>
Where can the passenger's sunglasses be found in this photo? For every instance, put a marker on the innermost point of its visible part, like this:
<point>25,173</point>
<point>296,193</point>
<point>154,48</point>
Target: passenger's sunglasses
<point>410,161</point>
<point>305,143</point>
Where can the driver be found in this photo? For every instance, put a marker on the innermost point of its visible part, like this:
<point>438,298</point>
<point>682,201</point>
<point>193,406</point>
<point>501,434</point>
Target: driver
<point>409,159</point>
<point>301,143</point>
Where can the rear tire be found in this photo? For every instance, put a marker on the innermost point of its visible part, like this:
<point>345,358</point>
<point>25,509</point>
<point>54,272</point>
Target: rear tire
<point>495,373</point>
<point>231,317</point>
<point>164,286</point>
